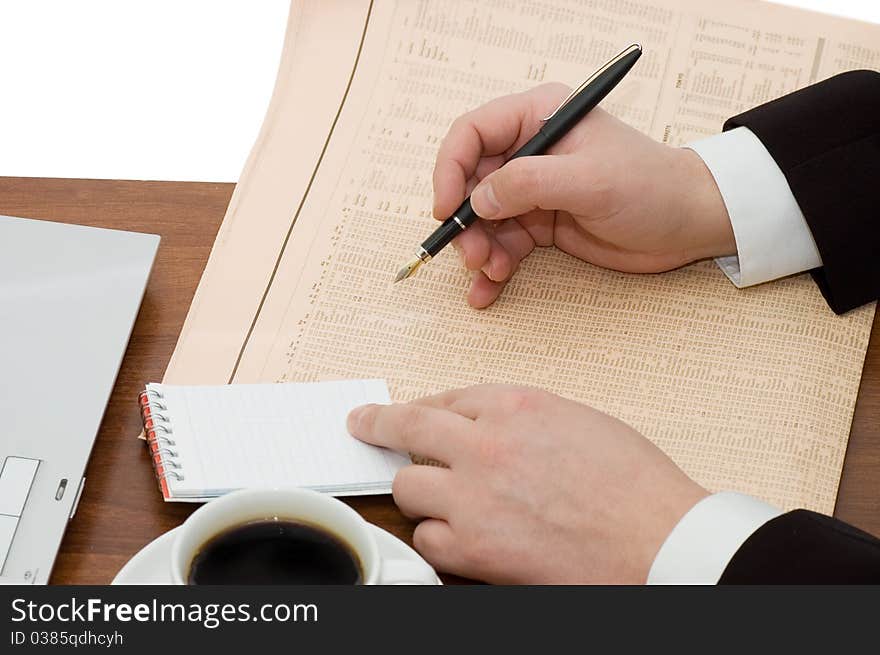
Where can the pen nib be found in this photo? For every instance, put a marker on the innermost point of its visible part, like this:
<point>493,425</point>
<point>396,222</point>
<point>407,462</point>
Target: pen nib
<point>408,270</point>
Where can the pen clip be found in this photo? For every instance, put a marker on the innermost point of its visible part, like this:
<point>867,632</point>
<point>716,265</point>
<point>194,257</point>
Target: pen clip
<point>633,48</point>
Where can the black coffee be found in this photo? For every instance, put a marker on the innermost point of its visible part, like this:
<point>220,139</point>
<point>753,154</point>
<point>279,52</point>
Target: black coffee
<point>275,552</point>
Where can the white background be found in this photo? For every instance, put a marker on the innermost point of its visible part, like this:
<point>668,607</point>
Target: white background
<point>158,89</point>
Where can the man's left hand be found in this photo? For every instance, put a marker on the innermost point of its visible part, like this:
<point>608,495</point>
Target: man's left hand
<point>539,489</point>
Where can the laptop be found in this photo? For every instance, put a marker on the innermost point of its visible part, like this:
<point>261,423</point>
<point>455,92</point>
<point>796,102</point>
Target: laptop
<point>69,296</point>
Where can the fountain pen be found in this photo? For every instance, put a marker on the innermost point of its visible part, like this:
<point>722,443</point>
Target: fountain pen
<point>555,126</point>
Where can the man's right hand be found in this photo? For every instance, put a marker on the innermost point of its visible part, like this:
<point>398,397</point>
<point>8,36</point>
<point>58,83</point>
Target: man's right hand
<point>605,193</point>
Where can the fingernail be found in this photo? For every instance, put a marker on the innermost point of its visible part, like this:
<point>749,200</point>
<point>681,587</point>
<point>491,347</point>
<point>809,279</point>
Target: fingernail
<point>484,202</point>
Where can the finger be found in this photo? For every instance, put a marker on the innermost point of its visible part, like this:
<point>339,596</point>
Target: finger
<point>516,244</point>
<point>490,130</point>
<point>486,166</point>
<point>479,249</point>
<point>423,491</point>
<point>426,431</point>
<point>454,400</point>
<point>496,248</point>
<point>435,541</point>
<point>469,402</point>
<point>541,225</point>
<point>483,291</point>
<point>474,246</point>
<point>528,183</point>
<point>499,266</point>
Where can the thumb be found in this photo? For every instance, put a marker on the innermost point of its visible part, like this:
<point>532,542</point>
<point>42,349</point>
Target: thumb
<point>527,183</point>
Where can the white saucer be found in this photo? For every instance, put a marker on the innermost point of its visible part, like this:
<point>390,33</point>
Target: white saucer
<point>150,564</point>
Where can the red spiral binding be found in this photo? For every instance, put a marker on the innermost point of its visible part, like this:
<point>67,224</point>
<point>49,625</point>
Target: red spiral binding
<point>152,441</point>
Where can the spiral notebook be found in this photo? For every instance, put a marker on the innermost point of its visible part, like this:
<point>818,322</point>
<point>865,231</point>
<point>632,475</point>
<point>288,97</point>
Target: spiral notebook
<point>205,441</point>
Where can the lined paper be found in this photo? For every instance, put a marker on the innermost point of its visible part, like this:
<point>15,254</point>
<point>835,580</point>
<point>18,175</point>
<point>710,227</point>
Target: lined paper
<point>265,435</point>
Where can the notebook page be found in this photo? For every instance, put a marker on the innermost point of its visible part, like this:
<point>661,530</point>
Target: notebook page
<point>230,437</point>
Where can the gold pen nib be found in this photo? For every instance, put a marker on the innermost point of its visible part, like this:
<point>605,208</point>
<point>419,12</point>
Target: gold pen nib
<point>408,270</point>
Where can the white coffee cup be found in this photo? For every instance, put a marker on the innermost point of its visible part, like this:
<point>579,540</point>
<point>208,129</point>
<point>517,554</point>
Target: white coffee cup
<point>297,505</point>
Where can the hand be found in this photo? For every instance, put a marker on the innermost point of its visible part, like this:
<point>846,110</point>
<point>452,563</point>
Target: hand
<point>607,194</point>
<point>539,489</point>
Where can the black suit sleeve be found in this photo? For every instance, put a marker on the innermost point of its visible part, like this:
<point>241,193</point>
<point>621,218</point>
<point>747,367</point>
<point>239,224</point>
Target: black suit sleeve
<point>826,140</point>
<point>803,547</point>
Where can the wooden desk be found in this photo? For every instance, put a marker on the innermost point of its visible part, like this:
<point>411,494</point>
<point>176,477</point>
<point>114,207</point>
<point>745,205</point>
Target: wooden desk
<point>120,510</point>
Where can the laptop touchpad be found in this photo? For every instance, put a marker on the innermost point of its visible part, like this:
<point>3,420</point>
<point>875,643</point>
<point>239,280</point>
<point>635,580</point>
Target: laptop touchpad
<point>15,485</point>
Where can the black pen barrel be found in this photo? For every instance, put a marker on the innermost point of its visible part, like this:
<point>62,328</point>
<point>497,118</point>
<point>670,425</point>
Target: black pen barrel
<point>448,230</point>
<point>570,114</point>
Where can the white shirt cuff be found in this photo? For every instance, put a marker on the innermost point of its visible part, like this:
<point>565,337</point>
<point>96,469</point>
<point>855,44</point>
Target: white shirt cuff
<point>772,236</point>
<point>701,546</point>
